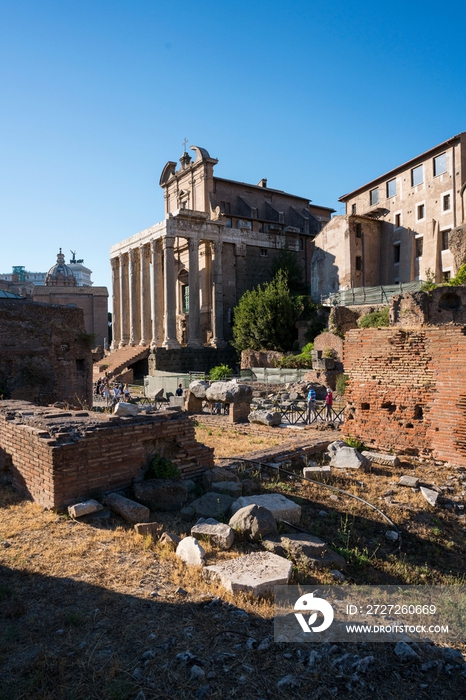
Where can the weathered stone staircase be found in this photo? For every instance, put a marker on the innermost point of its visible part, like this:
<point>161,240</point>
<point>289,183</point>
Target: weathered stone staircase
<point>119,360</point>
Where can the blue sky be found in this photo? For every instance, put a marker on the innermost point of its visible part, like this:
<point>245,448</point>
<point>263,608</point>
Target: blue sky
<point>318,97</point>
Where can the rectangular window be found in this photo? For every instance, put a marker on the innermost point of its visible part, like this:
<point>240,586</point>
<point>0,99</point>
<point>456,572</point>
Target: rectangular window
<point>374,196</point>
<point>185,299</point>
<point>419,247</point>
<point>353,208</point>
<point>358,263</point>
<point>396,253</point>
<point>264,252</point>
<point>446,239</point>
<point>301,244</point>
<point>391,188</point>
<point>446,202</point>
<point>446,276</point>
<point>225,207</point>
<point>228,223</point>
<point>421,211</point>
<point>417,175</point>
<point>397,220</point>
<point>440,164</point>
<point>358,231</point>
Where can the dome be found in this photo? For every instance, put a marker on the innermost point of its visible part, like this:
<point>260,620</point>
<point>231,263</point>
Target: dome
<point>60,275</point>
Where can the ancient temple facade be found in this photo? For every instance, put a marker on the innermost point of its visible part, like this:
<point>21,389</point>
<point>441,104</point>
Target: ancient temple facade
<point>175,284</point>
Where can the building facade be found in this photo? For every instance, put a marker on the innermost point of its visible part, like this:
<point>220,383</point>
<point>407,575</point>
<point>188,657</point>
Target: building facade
<point>397,227</point>
<point>176,284</point>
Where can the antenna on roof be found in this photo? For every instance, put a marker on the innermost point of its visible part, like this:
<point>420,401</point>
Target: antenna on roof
<point>185,143</point>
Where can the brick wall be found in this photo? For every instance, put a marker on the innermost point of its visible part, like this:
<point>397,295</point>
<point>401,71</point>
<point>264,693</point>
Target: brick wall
<point>58,458</point>
<point>406,390</point>
<point>45,355</point>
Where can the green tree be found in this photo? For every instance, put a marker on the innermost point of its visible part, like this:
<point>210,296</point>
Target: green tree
<point>265,318</point>
<point>287,260</point>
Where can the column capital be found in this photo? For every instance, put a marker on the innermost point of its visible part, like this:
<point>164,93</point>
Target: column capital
<point>168,242</point>
<point>115,263</point>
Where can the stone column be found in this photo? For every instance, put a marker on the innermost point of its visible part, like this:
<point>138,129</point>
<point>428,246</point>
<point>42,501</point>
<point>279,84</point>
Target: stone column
<point>157,294</point>
<point>116,325</point>
<point>124,301</point>
<point>217,296</point>
<point>169,341</point>
<point>194,330</point>
<point>145,295</point>
<point>134,297</point>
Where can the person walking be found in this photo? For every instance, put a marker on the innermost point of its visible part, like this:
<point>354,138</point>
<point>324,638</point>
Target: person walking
<point>179,391</point>
<point>328,404</point>
<point>311,406</point>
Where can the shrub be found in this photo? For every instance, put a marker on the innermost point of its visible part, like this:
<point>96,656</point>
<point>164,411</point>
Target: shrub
<point>220,372</point>
<point>341,383</point>
<point>375,319</point>
<point>459,278</point>
<point>162,468</point>
<point>354,442</point>
<point>301,361</point>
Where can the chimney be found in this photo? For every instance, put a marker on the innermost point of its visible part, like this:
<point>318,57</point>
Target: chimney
<point>262,183</point>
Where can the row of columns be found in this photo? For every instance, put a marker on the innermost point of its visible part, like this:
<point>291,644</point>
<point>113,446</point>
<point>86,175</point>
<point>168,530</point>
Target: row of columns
<point>144,305</point>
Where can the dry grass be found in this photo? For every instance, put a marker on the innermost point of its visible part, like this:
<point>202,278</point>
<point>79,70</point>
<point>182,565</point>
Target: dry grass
<point>81,604</point>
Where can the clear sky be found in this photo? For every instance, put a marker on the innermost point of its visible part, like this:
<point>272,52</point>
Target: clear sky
<point>317,96</point>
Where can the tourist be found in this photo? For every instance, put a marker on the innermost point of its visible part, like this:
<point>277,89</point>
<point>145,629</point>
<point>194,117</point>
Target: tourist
<point>328,404</point>
<point>311,405</point>
<point>179,391</point>
<point>126,393</point>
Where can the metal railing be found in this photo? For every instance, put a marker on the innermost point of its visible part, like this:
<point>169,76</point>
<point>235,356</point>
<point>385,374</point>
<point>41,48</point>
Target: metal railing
<point>369,295</point>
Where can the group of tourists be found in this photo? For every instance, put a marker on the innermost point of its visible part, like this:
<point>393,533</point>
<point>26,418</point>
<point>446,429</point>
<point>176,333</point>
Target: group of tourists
<point>311,405</point>
<point>112,394</point>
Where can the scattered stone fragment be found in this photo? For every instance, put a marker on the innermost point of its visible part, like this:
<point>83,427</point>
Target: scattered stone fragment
<point>349,458</point>
<point>153,529</point>
<point>187,513</point>
<point>404,652</point>
<point>202,692</point>
<point>363,664</point>
<point>314,658</point>
<point>219,534</point>
<point>199,388</point>
<point>322,513</point>
<point>250,487</point>
<point>407,480</point>
<point>229,392</point>
<point>190,485</point>
<point>170,539</point>
<point>181,591</point>
<point>254,522</point>
<point>161,494</point>
<point>378,458</point>
<point>312,472</point>
<point>337,575</point>
<point>333,448</point>
<point>304,549</point>
<point>430,495</point>
<point>84,508</point>
<point>453,655</point>
<point>129,510</point>
<point>282,508</point>
<point>197,674</point>
<point>269,418</point>
<point>265,644</point>
<point>212,505</point>
<point>217,474</point>
<point>138,673</point>
<point>231,488</point>
<point>190,551</point>
<point>140,696</point>
<point>391,535</point>
<point>125,409</point>
<point>255,573</point>
<point>185,657</point>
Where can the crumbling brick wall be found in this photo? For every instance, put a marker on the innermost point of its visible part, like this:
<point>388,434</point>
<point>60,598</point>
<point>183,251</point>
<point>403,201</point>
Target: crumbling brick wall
<point>58,457</point>
<point>406,390</point>
<point>45,353</point>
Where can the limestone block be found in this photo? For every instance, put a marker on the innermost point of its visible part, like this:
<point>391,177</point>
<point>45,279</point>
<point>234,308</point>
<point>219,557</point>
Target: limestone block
<point>282,508</point>
<point>349,458</point>
<point>255,573</point>
<point>161,494</point>
<point>125,409</point>
<point>270,418</point>
<point>307,549</point>
<point>129,510</point>
<point>430,495</point>
<point>193,403</point>
<point>153,529</point>
<point>84,508</point>
<point>250,487</point>
<point>407,480</point>
<point>190,551</point>
<point>198,388</point>
<point>379,458</point>
<point>254,522</point>
<point>231,488</point>
<point>333,448</point>
<point>313,472</point>
<point>219,534</point>
<point>217,474</point>
<point>239,412</point>
<point>229,392</point>
<point>170,539</point>
<point>212,505</point>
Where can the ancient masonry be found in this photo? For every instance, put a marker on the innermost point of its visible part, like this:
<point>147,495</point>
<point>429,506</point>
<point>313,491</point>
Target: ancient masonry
<point>59,457</point>
<point>407,389</point>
